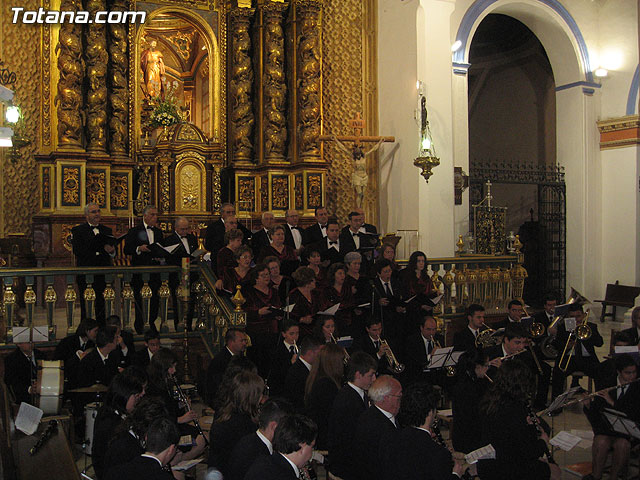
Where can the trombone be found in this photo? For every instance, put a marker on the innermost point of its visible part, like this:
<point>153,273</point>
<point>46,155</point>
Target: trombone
<point>395,365</point>
<point>547,346</point>
<point>581,332</point>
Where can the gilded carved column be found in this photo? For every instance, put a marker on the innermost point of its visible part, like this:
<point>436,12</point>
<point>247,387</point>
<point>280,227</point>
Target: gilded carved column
<point>165,188</point>
<point>241,85</point>
<point>308,47</point>
<point>118,66</point>
<point>274,86</point>
<point>97,58</point>
<point>71,66</point>
<point>215,188</point>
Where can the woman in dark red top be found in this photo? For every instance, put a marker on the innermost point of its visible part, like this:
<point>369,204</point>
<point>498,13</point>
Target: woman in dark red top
<point>388,251</point>
<point>305,300</point>
<point>417,283</point>
<point>238,275</point>
<point>284,253</point>
<point>262,321</point>
<point>340,293</point>
<point>226,258</point>
<point>361,289</point>
<point>282,284</point>
<point>312,258</point>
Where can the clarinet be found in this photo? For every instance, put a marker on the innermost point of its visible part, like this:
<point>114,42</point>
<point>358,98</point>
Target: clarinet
<point>183,398</point>
<point>435,429</point>
<point>536,423</point>
<point>51,428</point>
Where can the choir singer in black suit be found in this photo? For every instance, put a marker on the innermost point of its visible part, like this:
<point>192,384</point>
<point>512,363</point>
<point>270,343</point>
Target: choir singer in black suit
<point>330,248</point>
<point>214,236</point>
<point>293,233</point>
<point>389,302</point>
<point>262,238</point>
<point>293,444</point>
<point>414,454</point>
<point>187,245</point>
<point>93,246</point>
<point>377,428</point>
<point>137,244</point>
<point>347,407</point>
<point>318,230</point>
<point>258,444</point>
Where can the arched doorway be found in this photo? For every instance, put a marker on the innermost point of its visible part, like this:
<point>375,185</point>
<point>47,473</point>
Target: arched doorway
<point>512,143</point>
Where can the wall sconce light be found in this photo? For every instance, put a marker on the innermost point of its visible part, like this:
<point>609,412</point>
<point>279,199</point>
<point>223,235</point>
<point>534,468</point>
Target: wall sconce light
<point>428,158</point>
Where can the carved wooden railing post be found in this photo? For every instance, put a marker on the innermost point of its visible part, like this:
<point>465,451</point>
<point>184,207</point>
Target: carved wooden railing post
<point>70,297</point>
<point>163,295</point>
<point>127,302</point>
<point>29,300</point>
<point>9,302</point>
<point>90,298</point>
<point>241,85</point>
<point>146,293</point>
<point>109,295</point>
<point>50,297</point>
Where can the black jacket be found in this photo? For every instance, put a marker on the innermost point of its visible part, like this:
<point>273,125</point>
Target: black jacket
<point>312,234</point>
<point>88,247</point>
<point>374,435</point>
<point>294,384</point>
<point>18,371</point>
<point>246,452</point>
<point>136,237</point>
<point>224,437</point>
<point>140,468</point>
<point>272,467</point>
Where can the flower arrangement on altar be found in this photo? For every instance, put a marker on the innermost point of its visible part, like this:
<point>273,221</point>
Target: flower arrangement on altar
<point>166,108</point>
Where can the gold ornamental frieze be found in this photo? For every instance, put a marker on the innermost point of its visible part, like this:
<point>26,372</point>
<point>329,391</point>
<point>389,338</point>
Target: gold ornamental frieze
<point>97,186</point>
<point>120,186</point>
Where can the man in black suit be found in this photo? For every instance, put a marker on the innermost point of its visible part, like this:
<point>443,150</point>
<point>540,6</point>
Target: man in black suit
<point>161,446</point>
<point>625,398</point>
<point>418,349</point>
<point>371,344</point>
<point>634,332</point>
<point>293,443</point>
<point>583,356</point>
<point>235,341</point>
<point>72,349</point>
<point>214,236</point>
<point>355,238</point>
<point>389,302</point>
<point>347,407</point>
<point>20,371</point>
<point>126,350</point>
<point>137,244</point>
<point>515,312</point>
<point>331,251</point>
<point>316,232</point>
<point>255,445</point>
<point>93,246</point>
<point>283,357</point>
<point>369,228</point>
<point>414,453</point>
<point>262,239</point>
<point>187,244</point>
<point>545,317</point>
<point>101,364</point>
<point>292,233</point>
<point>298,373</point>
<point>142,358</point>
<point>465,339</point>
<point>377,427</point>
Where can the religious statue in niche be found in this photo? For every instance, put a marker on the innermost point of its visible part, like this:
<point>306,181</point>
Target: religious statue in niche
<point>153,70</point>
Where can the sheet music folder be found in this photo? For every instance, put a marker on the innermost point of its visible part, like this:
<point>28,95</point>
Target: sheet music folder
<point>443,357</point>
<point>620,423</point>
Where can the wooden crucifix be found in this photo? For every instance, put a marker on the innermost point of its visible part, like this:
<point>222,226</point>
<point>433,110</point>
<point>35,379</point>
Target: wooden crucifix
<point>359,178</point>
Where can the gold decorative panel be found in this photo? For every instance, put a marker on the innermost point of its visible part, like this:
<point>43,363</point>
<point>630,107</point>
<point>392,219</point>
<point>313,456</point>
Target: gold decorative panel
<point>188,133</point>
<point>97,186</point>
<point>280,192</point>
<point>46,187</point>
<point>70,186</point>
<point>119,190</point>
<point>66,237</point>
<point>264,193</point>
<point>315,190</point>
<point>190,186</point>
<point>298,192</point>
<point>246,193</point>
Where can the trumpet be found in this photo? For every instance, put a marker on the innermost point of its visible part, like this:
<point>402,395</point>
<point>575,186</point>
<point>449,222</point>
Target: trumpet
<point>347,357</point>
<point>486,338</point>
<point>581,332</point>
<point>395,365</point>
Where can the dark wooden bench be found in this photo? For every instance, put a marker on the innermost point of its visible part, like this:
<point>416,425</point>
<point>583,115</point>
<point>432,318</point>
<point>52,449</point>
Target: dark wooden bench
<point>617,296</point>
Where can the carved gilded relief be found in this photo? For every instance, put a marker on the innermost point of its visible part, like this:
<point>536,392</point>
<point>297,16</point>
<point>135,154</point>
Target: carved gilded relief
<point>66,237</point>
<point>264,193</point>
<point>280,192</point>
<point>118,64</point>
<point>188,133</point>
<point>314,190</point>
<point>241,86</point>
<point>274,86</point>
<point>97,187</point>
<point>71,67</point>
<point>96,64</point>
<point>190,185</point>
<point>119,190</point>
<point>298,192</point>
<point>143,198</point>
<point>46,187</point>
<point>182,41</point>
<point>246,194</point>
<point>70,186</point>
<point>309,78</point>
<point>165,188</point>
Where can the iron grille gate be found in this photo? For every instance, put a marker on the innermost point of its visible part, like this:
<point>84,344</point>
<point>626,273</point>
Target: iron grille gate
<point>551,210</point>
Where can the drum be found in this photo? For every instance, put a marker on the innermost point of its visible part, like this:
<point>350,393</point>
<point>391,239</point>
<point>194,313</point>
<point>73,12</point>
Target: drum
<point>49,386</point>
<point>90,414</point>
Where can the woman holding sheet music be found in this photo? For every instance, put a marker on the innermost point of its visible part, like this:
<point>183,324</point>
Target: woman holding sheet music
<point>338,292</point>
<point>262,300</point>
<point>417,284</point>
<point>305,300</point>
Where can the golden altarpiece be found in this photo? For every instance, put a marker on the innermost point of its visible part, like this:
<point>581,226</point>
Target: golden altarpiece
<point>257,83</point>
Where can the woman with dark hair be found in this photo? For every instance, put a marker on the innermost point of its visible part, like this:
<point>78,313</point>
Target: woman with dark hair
<point>238,275</point>
<point>128,440</point>
<point>323,383</point>
<point>506,425</point>
<point>236,365</point>
<point>226,258</point>
<point>325,329</point>
<point>120,400</point>
<point>162,370</point>
<point>312,258</point>
<point>281,283</point>
<point>417,284</point>
<point>262,320</point>
<point>286,254</point>
<point>338,292</point>
<point>471,386</point>
<point>305,300</point>
<point>236,418</point>
<point>388,251</point>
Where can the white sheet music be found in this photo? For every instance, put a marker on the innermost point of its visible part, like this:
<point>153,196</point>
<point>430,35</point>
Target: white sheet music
<point>565,440</point>
<point>483,453</point>
<point>186,464</point>
<point>28,418</point>
<point>331,310</point>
